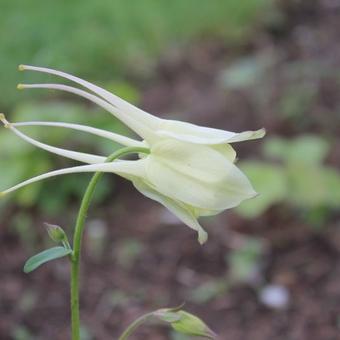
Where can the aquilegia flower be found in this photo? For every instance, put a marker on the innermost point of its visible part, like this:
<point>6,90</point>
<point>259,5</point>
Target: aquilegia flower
<point>188,168</point>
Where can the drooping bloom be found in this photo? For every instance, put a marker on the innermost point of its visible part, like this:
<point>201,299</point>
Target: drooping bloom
<point>188,168</point>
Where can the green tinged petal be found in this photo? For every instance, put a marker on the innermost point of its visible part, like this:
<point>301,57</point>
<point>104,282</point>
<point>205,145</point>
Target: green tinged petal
<point>183,212</point>
<point>197,175</point>
<point>226,150</point>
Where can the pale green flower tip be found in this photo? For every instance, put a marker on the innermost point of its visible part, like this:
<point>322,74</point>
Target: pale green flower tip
<point>21,67</point>
<point>4,120</point>
<point>253,194</point>
<point>259,133</point>
<point>202,236</point>
<point>20,86</point>
<point>256,194</point>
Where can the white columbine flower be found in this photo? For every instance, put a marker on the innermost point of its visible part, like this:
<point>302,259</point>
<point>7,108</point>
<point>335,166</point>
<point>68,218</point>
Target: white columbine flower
<point>189,169</point>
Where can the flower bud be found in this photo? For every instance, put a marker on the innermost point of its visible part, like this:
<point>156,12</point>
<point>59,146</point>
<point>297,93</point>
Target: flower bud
<point>56,233</point>
<point>185,323</point>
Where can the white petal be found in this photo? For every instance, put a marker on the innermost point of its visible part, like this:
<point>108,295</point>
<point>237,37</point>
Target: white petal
<point>247,135</point>
<point>180,210</point>
<point>226,150</point>
<point>78,156</point>
<point>128,169</point>
<point>203,212</point>
<point>98,132</point>
<point>188,132</point>
<point>197,175</point>
<point>141,126</point>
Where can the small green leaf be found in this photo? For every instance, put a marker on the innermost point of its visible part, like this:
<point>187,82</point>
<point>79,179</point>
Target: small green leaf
<point>47,255</point>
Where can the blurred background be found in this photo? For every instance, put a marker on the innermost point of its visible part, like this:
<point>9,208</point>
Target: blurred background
<point>270,269</point>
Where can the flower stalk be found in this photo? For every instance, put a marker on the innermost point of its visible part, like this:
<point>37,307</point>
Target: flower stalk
<point>134,325</point>
<point>78,234</point>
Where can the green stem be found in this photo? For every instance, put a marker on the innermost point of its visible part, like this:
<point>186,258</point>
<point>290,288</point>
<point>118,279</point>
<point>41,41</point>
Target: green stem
<point>78,233</point>
<point>132,327</point>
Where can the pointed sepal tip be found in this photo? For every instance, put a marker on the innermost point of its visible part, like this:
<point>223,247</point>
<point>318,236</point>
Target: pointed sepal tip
<point>4,120</point>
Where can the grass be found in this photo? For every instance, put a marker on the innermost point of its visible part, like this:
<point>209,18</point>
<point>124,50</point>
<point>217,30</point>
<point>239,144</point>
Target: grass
<point>103,40</point>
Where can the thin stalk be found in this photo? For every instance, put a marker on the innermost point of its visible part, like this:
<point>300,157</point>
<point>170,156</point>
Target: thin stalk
<point>132,327</point>
<point>78,233</point>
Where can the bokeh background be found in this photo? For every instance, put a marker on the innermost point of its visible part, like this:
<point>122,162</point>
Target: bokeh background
<point>270,269</point>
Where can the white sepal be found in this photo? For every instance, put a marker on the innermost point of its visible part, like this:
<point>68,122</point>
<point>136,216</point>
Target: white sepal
<point>115,137</point>
<point>78,156</point>
<point>128,169</point>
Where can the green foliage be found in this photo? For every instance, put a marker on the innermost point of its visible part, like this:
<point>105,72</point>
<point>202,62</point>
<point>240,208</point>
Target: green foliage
<point>210,290</point>
<point>296,100</point>
<point>102,40</point>
<point>22,333</point>
<point>300,179</point>
<point>246,72</point>
<point>45,256</point>
<point>21,224</point>
<point>243,266</point>
<point>28,300</point>
<point>269,181</point>
<point>244,260</point>
<point>307,149</point>
<point>85,333</point>
<point>128,252</point>
<point>118,298</point>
